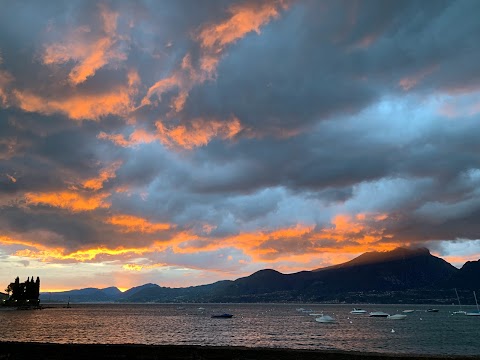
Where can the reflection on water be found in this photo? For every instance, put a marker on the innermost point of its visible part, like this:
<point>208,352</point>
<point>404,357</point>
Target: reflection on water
<point>254,325</point>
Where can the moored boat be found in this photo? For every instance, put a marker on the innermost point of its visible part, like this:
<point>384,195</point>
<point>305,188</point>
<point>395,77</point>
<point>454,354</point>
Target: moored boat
<point>408,311</point>
<point>378,314</point>
<point>222,316</point>
<point>325,319</point>
<point>397,317</point>
<point>358,311</point>
<point>474,313</point>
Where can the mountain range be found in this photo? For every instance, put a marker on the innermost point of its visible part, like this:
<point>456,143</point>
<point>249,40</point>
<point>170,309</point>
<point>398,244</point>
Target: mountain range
<point>398,276</point>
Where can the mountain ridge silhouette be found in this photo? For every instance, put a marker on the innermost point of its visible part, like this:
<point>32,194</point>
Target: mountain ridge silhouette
<point>402,274</point>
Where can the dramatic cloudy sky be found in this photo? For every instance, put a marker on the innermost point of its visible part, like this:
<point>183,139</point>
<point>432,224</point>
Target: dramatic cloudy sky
<point>183,142</point>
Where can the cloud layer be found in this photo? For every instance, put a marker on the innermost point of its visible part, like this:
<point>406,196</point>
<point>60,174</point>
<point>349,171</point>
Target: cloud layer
<point>181,144</point>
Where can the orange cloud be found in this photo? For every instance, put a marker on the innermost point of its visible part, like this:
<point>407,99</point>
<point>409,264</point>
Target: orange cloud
<point>247,241</point>
<point>90,55</point>
<point>312,261</point>
<point>362,229</point>
<point>12,179</point>
<point>90,52</point>
<point>198,132</point>
<point>106,174</point>
<point>350,234</point>
<point>142,136</point>
<point>136,267</point>
<point>51,255</point>
<point>7,240</point>
<point>161,86</point>
<point>139,136</point>
<point>410,82</point>
<point>297,231</point>
<point>130,223</point>
<point>44,253</point>
<point>290,248</point>
<point>213,38</point>
<point>68,200</point>
<point>99,253</point>
<point>78,106</point>
<point>182,79</point>
<point>117,139</point>
<point>244,18</point>
<point>132,267</point>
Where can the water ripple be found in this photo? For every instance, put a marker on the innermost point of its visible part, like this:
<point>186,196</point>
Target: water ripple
<point>253,325</point>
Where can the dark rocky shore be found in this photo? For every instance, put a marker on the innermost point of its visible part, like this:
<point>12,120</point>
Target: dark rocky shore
<point>40,351</point>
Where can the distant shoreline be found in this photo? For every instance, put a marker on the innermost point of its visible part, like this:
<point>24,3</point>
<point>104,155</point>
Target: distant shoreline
<point>30,350</point>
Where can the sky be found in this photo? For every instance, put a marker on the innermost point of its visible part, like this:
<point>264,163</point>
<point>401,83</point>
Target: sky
<point>185,142</point>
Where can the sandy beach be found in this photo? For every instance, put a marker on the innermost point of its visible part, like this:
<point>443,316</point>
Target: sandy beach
<point>20,351</point>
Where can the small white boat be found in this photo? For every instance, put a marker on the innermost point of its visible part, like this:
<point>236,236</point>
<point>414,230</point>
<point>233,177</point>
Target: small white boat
<point>408,311</point>
<point>358,311</point>
<point>315,314</point>
<point>325,319</point>
<point>459,312</point>
<point>397,317</point>
<point>378,314</point>
<point>474,313</point>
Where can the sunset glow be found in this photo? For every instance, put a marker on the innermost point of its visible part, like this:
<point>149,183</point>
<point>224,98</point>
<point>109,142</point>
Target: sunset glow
<point>68,200</point>
<point>180,143</point>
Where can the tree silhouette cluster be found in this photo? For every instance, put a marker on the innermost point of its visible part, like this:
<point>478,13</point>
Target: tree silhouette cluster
<point>26,293</point>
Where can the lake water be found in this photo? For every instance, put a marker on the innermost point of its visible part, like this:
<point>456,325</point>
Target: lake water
<point>253,325</point>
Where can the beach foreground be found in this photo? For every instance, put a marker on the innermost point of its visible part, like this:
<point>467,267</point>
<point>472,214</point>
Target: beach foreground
<point>20,350</point>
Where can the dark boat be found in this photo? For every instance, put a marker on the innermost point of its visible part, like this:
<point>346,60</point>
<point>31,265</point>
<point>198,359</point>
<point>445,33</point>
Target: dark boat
<point>222,316</point>
<point>432,310</point>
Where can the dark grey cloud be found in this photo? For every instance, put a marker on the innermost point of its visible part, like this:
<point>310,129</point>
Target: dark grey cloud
<point>49,153</point>
<point>341,104</point>
<point>311,64</point>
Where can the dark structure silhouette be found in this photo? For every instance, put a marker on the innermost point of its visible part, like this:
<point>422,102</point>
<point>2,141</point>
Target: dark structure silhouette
<point>24,294</point>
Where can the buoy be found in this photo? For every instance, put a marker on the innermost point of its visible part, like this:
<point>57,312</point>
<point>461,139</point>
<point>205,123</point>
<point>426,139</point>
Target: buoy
<point>393,331</point>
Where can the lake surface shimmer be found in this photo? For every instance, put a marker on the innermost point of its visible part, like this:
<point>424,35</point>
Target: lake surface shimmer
<point>253,325</point>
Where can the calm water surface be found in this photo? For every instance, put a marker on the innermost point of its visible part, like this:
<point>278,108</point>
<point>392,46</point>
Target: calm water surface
<point>253,325</point>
